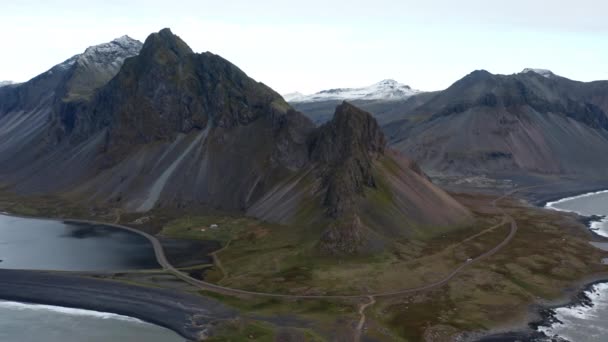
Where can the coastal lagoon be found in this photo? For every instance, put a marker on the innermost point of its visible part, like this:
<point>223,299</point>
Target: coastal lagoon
<point>41,244</point>
<point>38,244</point>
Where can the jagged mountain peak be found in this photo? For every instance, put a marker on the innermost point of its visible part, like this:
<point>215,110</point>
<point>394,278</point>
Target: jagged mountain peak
<point>346,146</point>
<point>352,131</point>
<point>387,89</point>
<point>165,47</point>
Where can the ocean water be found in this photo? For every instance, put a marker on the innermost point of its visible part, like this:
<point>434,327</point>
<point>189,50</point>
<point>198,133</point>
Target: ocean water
<point>584,322</point>
<point>55,245</point>
<point>594,203</point>
<point>22,322</point>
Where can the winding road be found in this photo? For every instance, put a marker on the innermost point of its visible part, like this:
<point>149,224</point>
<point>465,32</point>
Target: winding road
<point>167,266</point>
<point>371,297</point>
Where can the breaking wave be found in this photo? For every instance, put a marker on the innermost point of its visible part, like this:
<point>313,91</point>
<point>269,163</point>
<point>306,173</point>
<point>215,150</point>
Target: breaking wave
<point>66,311</point>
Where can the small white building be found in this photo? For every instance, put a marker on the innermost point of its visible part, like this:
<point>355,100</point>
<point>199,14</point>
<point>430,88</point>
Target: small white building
<point>214,226</point>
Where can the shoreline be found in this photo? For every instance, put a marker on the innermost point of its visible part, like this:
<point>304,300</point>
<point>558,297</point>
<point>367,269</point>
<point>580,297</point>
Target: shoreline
<point>546,315</point>
<point>543,199</point>
<point>573,296</point>
<point>190,316</point>
<point>539,314</point>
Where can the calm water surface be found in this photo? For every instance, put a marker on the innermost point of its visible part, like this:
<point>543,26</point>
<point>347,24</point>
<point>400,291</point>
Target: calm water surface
<point>56,245</point>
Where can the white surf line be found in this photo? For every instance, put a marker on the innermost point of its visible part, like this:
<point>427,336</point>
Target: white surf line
<point>551,205</point>
<point>573,315</point>
<point>595,226</point>
<point>66,311</point>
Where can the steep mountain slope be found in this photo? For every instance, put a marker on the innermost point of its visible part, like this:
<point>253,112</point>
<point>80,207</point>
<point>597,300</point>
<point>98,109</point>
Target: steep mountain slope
<point>174,128</point>
<point>168,113</point>
<point>76,77</point>
<point>531,123</point>
<point>363,193</point>
<point>28,109</point>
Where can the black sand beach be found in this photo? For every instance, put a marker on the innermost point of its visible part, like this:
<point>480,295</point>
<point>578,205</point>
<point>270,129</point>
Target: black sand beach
<point>189,315</point>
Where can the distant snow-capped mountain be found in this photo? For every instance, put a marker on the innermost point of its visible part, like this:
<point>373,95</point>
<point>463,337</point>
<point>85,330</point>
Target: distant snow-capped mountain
<point>543,72</point>
<point>389,90</point>
<point>5,83</point>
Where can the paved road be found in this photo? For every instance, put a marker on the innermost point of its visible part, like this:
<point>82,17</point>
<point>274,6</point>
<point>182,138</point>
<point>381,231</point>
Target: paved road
<point>166,265</point>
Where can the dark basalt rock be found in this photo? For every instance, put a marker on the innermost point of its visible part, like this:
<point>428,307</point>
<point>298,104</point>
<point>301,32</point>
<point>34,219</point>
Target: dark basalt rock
<point>174,128</point>
<point>345,147</point>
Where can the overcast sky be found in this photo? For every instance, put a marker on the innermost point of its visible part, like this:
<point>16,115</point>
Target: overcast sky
<point>312,45</point>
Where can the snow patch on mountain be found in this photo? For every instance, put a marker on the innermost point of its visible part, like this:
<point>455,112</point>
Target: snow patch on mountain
<point>389,90</point>
<point>107,55</point>
<point>114,52</point>
<point>543,72</point>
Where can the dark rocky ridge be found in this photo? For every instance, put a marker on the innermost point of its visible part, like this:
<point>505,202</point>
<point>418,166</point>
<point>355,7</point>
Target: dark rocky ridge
<point>355,170</point>
<point>345,148</point>
<point>175,128</point>
<point>523,125</point>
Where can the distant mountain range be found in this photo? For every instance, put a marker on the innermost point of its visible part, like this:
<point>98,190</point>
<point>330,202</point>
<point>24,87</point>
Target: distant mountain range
<point>157,125</point>
<point>387,99</point>
<point>523,126</point>
<point>5,83</point>
<point>531,124</point>
<point>143,126</point>
<point>388,90</point>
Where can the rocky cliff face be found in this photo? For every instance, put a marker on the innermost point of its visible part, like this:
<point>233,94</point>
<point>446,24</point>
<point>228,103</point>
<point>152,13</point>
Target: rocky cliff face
<point>174,128</point>
<point>345,149</point>
<point>366,190</point>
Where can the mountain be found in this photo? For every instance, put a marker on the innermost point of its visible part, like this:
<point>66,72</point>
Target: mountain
<point>389,90</point>
<point>28,111</point>
<point>364,194</point>
<point>97,65</point>
<point>5,83</point>
<point>530,124</point>
<point>76,78</point>
<point>174,128</point>
<point>386,100</point>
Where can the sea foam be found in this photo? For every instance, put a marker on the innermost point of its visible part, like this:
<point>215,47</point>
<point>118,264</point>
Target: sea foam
<point>66,311</point>
<point>600,227</point>
<point>582,321</point>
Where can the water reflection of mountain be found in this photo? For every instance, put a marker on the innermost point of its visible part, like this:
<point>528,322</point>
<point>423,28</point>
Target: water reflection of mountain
<point>79,230</point>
